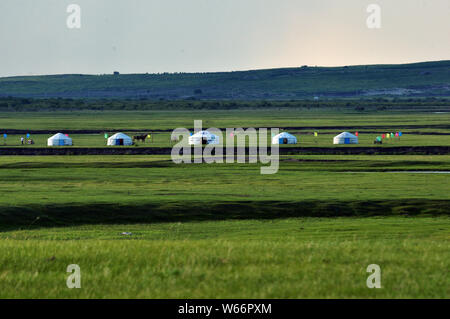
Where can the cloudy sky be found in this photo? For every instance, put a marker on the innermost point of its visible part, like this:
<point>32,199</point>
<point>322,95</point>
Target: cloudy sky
<point>139,36</point>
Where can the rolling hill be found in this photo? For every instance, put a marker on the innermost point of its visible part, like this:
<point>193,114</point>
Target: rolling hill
<point>417,79</point>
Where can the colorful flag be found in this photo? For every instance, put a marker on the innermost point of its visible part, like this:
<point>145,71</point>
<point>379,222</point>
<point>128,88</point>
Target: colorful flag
<point>149,136</point>
<point>396,134</point>
<point>67,135</point>
<point>316,134</point>
<point>106,135</point>
<point>400,133</point>
<point>5,135</point>
<point>388,135</point>
<point>231,134</point>
<point>28,135</point>
<point>392,135</point>
<point>356,133</point>
<point>383,136</point>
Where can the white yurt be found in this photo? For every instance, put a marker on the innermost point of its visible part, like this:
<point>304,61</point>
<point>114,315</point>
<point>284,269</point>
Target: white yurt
<point>345,138</point>
<point>119,139</point>
<point>284,138</point>
<point>204,137</point>
<point>59,140</point>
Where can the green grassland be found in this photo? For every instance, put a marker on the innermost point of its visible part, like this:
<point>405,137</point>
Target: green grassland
<point>121,189</point>
<point>225,230</point>
<point>301,123</point>
<point>169,120</point>
<point>285,258</point>
<point>306,140</point>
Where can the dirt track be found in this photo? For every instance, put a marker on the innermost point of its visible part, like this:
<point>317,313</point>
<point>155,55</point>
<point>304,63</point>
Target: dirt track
<point>401,150</point>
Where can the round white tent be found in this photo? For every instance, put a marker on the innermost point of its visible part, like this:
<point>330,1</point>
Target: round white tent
<point>119,139</point>
<point>203,137</point>
<point>284,138</point>
<point>59,140</point>
<point>345,138</point>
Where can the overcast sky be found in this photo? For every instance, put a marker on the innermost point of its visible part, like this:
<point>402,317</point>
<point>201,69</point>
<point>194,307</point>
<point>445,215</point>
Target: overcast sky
<point>139,36</point>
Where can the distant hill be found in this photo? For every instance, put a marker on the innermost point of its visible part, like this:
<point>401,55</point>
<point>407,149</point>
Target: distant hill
<point>417,79</point>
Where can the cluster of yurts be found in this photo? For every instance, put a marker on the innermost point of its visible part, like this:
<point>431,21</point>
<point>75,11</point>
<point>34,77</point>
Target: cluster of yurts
<point>205,137</point>
<point>202,137</point>
<point>61,139</point>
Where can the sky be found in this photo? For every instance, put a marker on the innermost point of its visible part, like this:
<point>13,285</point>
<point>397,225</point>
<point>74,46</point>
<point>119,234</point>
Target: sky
<point>154,36</point>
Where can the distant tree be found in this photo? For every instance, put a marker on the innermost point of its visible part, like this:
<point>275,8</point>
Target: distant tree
<point>198,91</point>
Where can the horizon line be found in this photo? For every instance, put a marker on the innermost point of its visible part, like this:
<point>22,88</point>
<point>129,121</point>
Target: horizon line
<point>229,71</point>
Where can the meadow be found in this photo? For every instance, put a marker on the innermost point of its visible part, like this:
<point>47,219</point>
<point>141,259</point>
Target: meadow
<point>306,139</point>
<point>281,258</point>
<point>272,117</point>
<point>225,230</point>
<point>152,188</point>
<point>87,129</point>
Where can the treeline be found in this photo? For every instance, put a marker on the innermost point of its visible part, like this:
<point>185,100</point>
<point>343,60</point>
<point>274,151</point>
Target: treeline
<point>13,104</point>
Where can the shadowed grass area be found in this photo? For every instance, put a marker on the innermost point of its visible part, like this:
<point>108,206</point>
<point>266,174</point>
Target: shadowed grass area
<point>35,216</point>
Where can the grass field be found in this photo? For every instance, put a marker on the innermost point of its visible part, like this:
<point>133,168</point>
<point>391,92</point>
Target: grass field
<point>169,120</point>
<point>162,139</point>
<point>139,184</point>
<point>288,258</point>
<point>298,122</point>
<point>225,230</point>
<point>199,232</point>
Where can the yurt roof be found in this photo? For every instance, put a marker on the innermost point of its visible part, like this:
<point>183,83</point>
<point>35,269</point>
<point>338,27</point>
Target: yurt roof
<point>284,135</point>
<point>346,135</point>
<point>59,136</point>
<point>120,136</point>
<point>203,134</point>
